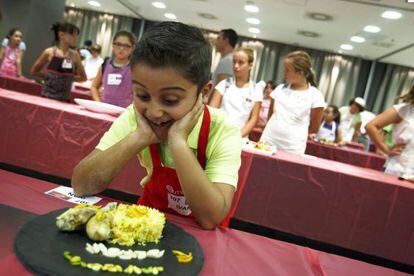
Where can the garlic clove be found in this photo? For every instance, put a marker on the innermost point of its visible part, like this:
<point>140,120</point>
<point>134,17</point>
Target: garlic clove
<point>141,254</point>
<point>155,253</point>
<point>112,252</point>
<point>96,248</point>
<point>102,248</point>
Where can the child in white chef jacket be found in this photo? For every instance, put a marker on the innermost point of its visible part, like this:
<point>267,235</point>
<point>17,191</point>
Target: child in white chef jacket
<point>329,130</point>
<point>296,109</point>
<point>240,97</point>
<point>400,159</point>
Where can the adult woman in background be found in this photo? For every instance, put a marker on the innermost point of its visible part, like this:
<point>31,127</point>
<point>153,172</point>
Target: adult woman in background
<point>239,96</point>
<point>296,108</point>
<point>400,156</point>
<point>63,65</point>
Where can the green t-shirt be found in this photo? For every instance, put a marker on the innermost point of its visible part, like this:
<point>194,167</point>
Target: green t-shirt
<point>223,151</point>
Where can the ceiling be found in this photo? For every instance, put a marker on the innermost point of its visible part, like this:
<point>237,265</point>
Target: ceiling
<point>282,20</point>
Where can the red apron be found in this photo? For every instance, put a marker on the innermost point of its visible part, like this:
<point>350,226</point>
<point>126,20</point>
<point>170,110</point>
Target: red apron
<point>163,191</point>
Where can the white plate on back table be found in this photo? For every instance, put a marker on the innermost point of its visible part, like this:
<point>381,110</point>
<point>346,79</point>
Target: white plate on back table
<point>99,107</point>
<point>250,147</point>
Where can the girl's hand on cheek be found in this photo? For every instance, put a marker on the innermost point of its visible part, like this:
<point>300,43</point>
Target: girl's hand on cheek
<point>180,130</point>
<point>144,130</point>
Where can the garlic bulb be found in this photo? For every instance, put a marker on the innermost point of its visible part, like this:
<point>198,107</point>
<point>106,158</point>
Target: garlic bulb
<point>98,227</point>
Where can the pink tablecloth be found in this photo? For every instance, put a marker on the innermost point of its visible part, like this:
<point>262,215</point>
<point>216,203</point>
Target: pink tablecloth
<point>348,206</point>
<point>31,87</point>
<point>352,153</point>
<point>347,155</point>
<point>58,135</point>
<point>355,145</point>
<point>51,137</point>
<point>226,251</point>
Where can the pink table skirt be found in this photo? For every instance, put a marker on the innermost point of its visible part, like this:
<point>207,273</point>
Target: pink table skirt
<point>352,207</point>
<point>58,135</point>
<point>28,86</point>
<point>355,145</point>
<point>352,153</point>
<point>347,155</point>
<point>226,251</point>
<point>51,137</point>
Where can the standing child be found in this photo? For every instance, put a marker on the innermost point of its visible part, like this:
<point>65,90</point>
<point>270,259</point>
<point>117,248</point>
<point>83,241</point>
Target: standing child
<point>115,74</point>
<point>11,55</point>
<point>93,62</point>
<point>329,130</point>
<point>296,108</point>
<point>239,96</point>
<point>400,159</point>
<point>351,119</point>
<point>191,152</point>
<point>264,109</point>
<point>63,65</point>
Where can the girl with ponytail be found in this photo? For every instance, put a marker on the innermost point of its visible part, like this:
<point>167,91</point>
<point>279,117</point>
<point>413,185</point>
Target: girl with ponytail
<point>59,65</point>
<point>296,107</point>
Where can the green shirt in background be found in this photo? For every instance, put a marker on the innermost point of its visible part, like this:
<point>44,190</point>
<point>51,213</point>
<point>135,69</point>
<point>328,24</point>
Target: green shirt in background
<point>388,140</point>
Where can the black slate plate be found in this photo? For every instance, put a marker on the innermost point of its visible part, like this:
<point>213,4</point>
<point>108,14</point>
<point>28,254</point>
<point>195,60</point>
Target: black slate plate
<point>39,245</point>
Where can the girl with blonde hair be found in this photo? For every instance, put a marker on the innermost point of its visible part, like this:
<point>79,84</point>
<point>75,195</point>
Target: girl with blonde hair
<point>240,97</point>
<point>296,107</point>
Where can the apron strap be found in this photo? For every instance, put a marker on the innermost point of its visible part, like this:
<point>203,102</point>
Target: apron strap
<point>201,146</point>
<point>156,160</point>
<point>203,138</point>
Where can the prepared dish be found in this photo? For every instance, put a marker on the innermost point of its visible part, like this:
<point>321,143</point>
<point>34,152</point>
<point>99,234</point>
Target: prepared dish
<point>117,223</point>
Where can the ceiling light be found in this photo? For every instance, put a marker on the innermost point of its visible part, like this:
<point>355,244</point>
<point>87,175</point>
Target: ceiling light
<point>252,20</point>
<point>72,5</point>
<point>340,51</point>
<point>391,15</point>
<point>319,16</point>
<point>308,33</point>
<point>207,15</point>
<point>251,8</point>
<point>159,5</point>
<point>372,29</point>
<point>357,39</point>
<point>170,16</point>
<point>346,47</point>
<point>254,36</point>
<point>254,30</point>
<point>410,1</point>
<point>94,3</point>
